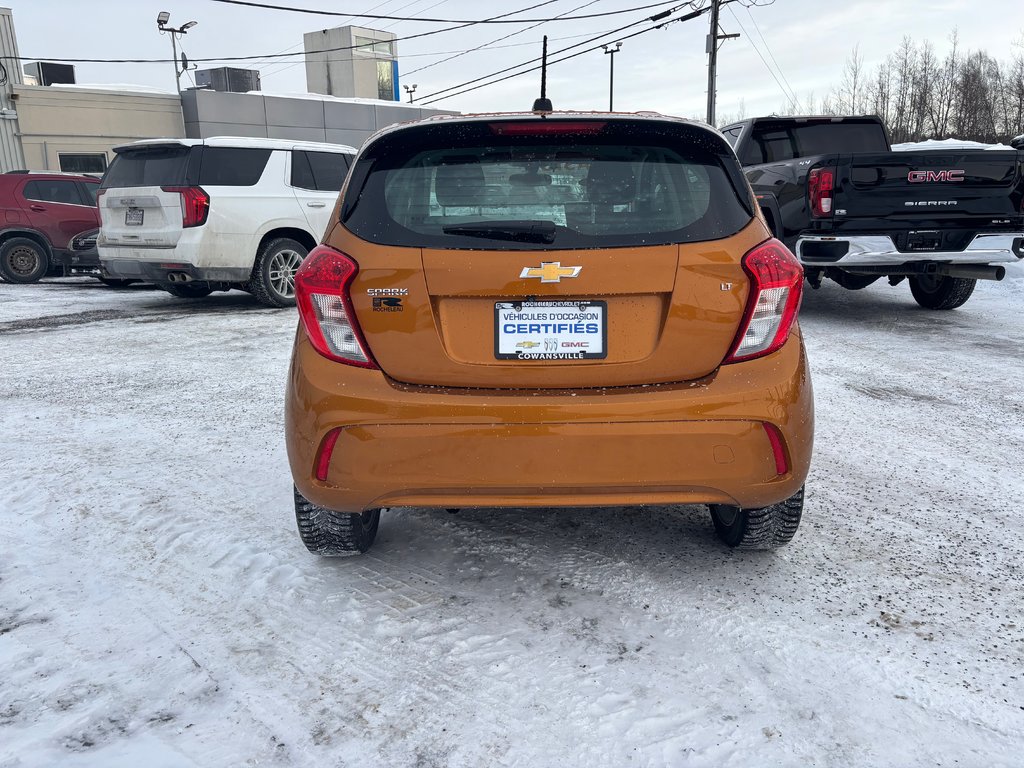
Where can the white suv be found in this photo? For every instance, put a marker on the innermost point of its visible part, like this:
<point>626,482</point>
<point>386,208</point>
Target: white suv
<point>199,215</point>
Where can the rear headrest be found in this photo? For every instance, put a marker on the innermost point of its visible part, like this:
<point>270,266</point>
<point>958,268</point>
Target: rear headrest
<point>461,184</point>
<point>611,183</point>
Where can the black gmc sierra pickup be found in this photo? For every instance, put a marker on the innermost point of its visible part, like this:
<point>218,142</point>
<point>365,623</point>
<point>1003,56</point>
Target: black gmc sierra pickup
<point>854,211</point>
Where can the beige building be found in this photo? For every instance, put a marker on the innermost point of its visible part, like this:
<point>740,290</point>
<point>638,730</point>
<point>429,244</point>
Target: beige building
<point>74,129</point>
<point>352,62</point>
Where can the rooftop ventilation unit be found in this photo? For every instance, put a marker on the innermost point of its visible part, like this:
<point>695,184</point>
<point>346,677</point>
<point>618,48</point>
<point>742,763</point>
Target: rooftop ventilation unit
<point>48,73</point>
<point>229,79</point>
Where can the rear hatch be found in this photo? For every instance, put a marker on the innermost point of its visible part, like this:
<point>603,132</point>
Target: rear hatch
<point>528,252</point>
<point>141,201</point>
<point>939,190</point>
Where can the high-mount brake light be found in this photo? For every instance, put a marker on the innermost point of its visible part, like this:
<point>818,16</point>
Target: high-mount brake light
<point>195,205</point>
<point>776,286</point>
<point>820,183</point>
<point>325,307</point>
<point>547,127</point>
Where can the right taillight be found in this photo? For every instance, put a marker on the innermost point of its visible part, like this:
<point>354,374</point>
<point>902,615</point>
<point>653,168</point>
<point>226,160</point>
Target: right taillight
<point>776,284</point>
<point>325,307</point>
<point>820,183</point>
<point>195,205</point>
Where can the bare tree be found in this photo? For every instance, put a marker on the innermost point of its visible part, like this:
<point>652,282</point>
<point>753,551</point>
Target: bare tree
<point>970,95</point>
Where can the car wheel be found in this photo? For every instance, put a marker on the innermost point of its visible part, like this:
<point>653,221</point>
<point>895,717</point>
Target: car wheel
<point>273,274</point>
<point>765,528</point>
<point>334,534</point>
<point>939,292</point>
<point>187,291</point>
<point>23,260</point>
<point>114,282</point>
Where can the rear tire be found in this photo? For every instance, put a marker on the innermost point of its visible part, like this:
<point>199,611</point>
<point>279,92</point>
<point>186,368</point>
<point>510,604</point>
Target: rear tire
<point>188,291</point>
<point>273,274</point>
<point>23,260</point>
<point>334,534</point>
<point>766,528</point>
<point>939,292</point>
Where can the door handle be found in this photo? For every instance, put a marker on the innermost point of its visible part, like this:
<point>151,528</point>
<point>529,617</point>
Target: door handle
<point>316,205</point>
<point>39,208</point>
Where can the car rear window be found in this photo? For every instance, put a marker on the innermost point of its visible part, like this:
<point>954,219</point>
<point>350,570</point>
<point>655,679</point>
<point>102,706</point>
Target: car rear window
<point>180,165</point>
<point>546,184</point>
<point>148,167</point>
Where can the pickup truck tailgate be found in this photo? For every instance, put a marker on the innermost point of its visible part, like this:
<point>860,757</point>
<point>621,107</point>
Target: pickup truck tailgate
<point>917,186</point>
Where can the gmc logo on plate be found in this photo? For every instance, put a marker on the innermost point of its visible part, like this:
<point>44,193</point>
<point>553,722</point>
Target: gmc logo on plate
<point>919,176</point>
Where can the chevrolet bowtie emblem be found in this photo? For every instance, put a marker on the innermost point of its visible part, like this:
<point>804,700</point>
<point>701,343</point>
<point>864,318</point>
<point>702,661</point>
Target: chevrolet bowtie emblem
<point>550,272</point>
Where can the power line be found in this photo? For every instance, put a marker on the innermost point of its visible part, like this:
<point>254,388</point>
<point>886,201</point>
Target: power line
<point>787,94</point>
<point>496,20</point>
<point>771,55</point>
<point>428,8</point>
<point>657,17</point>
<point>460,25</point>
<point>279,70</point>
<point>488,45</point>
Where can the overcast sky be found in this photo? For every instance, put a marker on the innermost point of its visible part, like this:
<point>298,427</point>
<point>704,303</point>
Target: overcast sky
<point>805,41</point>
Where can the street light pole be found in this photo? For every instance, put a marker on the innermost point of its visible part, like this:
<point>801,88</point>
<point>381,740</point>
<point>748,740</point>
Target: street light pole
<point>611,51</point>
<point>410,89</point>
<point>161,23</point>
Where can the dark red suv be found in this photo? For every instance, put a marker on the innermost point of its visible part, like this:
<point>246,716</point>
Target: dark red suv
<point>48,225</point>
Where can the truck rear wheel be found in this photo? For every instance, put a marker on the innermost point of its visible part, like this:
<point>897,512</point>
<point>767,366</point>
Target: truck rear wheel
<point>940,292</point>
<point>766,528</point>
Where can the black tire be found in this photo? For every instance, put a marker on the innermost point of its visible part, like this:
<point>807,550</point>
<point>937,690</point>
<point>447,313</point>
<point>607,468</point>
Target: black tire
<point>23,260</point>
<point>766,528</point>
<point>114,282</point>
<point>936,292</point>
<point>334,534</point>
<point>187,290</point>
<point>273,274</point>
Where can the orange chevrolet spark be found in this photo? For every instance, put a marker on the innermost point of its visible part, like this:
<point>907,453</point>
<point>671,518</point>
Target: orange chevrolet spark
<point>548,310</point>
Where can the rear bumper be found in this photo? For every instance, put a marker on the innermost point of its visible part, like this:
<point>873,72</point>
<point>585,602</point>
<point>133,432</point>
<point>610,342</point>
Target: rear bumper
<point>697,442</point>
<point>158,271</point>
<point>854,250</point>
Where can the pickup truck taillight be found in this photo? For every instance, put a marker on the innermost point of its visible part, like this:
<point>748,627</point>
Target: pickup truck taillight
<point>195,205</point>
<point>819,187</point>
<point>325,307</point>
<point>776,285</point>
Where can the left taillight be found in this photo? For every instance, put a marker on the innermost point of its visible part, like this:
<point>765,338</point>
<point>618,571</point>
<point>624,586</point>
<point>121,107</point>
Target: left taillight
<point>820,185</point>
<point>776,285</point>
<point>99,195</point>
<point>195,205</point>
<point>325,307</point>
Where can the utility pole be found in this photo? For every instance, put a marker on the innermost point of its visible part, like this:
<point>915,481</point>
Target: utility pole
<point>611,51</point>
<point>713,37</point>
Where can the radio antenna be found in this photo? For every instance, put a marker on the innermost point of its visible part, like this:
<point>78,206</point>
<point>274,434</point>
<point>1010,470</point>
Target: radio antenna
<point>543,104</point>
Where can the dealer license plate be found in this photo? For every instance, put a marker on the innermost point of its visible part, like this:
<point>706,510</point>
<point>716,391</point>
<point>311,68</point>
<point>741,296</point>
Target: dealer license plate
<point>133,216</point>
<point>550,330</point>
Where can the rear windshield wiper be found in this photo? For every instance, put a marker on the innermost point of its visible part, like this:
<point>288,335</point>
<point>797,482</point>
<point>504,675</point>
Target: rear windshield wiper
<point>519,231</point>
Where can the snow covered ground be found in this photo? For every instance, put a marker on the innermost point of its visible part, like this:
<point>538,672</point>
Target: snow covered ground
<point>157,608</point>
